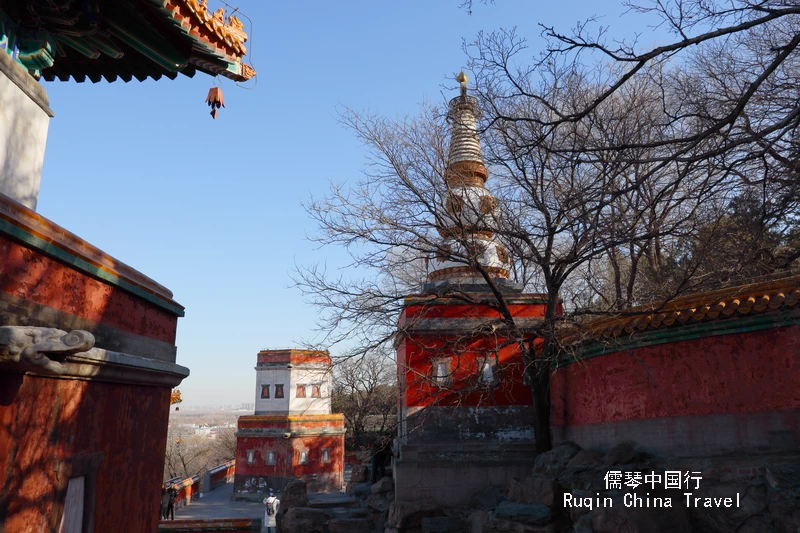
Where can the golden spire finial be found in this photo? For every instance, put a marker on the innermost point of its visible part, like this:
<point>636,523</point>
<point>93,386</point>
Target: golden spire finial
<point>462,79</point>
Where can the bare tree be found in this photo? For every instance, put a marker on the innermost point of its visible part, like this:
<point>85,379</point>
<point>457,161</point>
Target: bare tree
<point>565,207</point>
<point>187,455</point>
<point>722,97</point>
<point>725,89</point>
<point>614,168</point>
<point>223,446</point>
<point>365,391</point>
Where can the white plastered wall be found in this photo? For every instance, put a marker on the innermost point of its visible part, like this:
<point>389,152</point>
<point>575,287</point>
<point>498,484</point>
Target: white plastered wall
<point>23,134</point>
<point>309,376</point>
<point>306,375</point>
<point>272,375</point>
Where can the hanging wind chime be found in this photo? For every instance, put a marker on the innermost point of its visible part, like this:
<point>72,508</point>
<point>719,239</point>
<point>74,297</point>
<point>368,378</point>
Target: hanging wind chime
<point>215,100</point>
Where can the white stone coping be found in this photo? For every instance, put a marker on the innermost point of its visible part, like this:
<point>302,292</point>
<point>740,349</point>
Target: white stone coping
<point>104,365</point>
<point>20,77</point>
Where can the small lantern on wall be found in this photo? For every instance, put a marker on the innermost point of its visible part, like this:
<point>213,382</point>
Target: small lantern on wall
<point>215,100</point>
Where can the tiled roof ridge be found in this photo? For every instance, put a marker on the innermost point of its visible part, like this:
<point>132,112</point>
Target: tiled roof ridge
<point>210,29</point>
<point>721,303</point>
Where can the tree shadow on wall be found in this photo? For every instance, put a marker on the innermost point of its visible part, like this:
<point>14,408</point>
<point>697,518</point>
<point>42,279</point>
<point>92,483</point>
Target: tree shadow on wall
<point>35,424</point>
<point>33,420</point>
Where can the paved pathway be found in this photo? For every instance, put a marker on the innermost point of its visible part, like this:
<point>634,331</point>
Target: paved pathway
<point>218,504</point>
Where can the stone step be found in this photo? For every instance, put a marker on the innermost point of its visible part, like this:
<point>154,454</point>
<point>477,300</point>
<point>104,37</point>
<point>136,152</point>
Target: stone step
<point>350,525</point>
<point>470,447</point>
<point>464,451</point>
<point>350,512</point>
<point>330,501</point>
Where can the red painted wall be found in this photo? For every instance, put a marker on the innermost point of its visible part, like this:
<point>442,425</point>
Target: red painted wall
<point>415,355</point>
<point>418,354</point>
<point>287,455</point>
<point>742,372</point>
<point>261,445</point>
<point>456,310</point>
<point>222,474</point>
<point>293,356</point>
<point>43,419</point>
<point>188,489</point>
<point>32,276</point>
<point>287,450</point>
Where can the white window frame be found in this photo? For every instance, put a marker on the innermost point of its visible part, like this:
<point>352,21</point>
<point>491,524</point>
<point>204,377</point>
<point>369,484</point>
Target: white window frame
<point>303,455</point>
<point>326,455</point>
<point>270,457</point>
<point>251,457</point>
<point>439,379</point>
<point>491,363</point>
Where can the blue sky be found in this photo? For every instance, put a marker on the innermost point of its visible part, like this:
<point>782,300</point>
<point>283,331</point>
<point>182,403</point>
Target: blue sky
<point>212,208</point>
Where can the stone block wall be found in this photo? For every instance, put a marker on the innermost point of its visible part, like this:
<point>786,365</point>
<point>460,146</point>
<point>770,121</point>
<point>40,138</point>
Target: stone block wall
<point>449,474</point>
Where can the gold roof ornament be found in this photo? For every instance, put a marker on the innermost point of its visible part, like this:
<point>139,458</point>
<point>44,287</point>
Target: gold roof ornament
<point>215,100</point>
<point>175,397</point>
<point>462,79</point>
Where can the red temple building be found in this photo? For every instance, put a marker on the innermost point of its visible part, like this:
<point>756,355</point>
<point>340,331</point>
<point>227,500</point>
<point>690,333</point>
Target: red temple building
<point>292,434</point>
<point>87,343</point>
<point>465,410</point>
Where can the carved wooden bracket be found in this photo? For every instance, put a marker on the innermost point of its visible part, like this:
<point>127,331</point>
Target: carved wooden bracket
<point>35,349</point>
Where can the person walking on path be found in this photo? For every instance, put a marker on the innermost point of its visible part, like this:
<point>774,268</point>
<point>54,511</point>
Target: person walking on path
<point>164,503</point>
<point>271,507</point>
<point>173,496</point>
<point>381,452</point>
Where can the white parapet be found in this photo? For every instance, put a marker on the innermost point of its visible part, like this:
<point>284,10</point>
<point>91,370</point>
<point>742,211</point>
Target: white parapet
<point>24,119</point>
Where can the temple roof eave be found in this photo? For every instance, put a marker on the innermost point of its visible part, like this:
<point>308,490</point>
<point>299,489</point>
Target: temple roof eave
<point>124,39</point>
<point>210,36</point>
<point>725,303</point>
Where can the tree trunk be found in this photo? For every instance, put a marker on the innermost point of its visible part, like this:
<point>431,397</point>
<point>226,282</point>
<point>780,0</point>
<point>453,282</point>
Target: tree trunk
<point>539,366</point>
<point>540,389</point>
